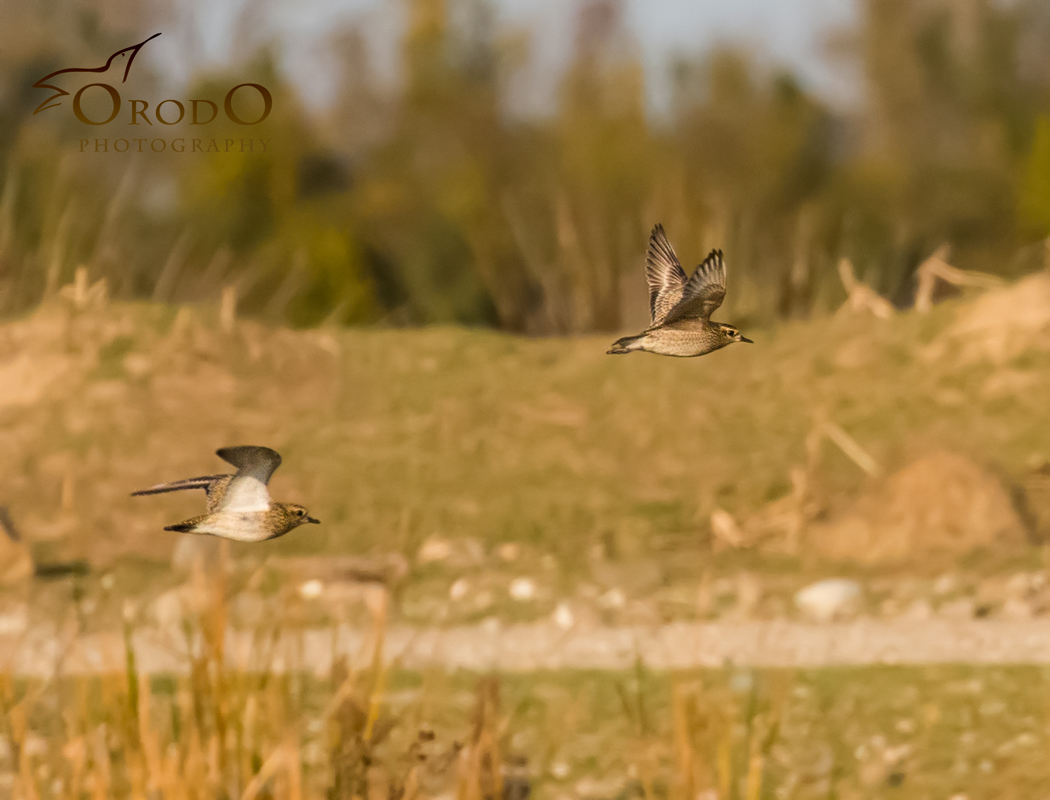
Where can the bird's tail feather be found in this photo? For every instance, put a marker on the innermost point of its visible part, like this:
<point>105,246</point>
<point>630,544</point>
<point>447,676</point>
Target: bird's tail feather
<point>188,525</point>
<point>621,346</point>
<point>202,482</point>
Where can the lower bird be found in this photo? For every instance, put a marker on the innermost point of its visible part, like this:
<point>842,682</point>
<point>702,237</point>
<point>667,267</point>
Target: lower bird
<point>680,309</point>
<point>239,505</point>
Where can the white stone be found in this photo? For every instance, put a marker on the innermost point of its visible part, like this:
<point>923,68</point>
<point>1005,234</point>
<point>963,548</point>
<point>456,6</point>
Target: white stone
<point>311,590</point>
<point>459,589</point>
<point>563,616</point>
<point>522,589</point>
<point>829,599</point>
<point>435,549</point>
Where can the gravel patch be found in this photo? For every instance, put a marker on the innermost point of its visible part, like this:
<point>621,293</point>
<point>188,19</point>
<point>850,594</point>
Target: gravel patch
<point>546,646</point>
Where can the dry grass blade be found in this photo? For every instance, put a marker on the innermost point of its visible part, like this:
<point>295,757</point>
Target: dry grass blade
<point>857,454</point>
<point>228,309</point>
<point>285,757</point>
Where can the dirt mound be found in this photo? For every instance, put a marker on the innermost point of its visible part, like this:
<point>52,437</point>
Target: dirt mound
<point>943,502</point>
<point>1000,325</point>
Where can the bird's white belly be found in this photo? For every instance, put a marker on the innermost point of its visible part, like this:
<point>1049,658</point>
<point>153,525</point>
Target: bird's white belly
<point>241,526</point>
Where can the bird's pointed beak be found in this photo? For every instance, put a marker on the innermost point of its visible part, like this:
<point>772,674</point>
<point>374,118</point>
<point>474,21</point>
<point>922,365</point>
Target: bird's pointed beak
<point>314,521</point>
<point>745,339</point>
<point>134,50</point>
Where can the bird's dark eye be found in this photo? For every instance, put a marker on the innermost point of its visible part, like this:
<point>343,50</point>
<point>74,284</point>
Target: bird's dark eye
<point>299,512</point>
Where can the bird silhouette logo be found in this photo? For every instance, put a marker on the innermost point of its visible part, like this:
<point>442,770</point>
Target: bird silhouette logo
<point>120,59</point>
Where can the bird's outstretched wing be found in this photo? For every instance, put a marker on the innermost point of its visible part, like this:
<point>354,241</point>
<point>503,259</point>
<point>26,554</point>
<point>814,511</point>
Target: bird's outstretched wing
<point>214,487</point>
<point>247,491</point>
<point>704,291</point>
<point>664,274</point>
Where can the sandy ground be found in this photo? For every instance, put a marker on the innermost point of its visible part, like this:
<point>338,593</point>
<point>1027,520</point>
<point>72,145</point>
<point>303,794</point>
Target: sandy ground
<point>541,646</point>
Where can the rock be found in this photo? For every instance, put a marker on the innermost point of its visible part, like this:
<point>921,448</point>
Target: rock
<point>434,549</point>
<point>942,502</point>
<point>563,616</point>
<point>522,589</point>
<point>834,598</point>
<point>459,589</point>
<point>311,589</point>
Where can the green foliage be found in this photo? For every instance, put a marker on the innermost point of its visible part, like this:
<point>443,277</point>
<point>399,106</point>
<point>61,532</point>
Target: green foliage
<point>435,202</point>
<point>1034,208</point>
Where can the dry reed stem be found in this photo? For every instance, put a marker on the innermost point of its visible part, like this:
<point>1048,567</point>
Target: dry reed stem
<point>685,753</point>
<point>936,267</point>
<point>24,787</point>
<point>149,740</point>
<point>285,757</point>
<point>228,309</point>
<point>378,605</point>
<point>861,296</point>
<point>75,752</point>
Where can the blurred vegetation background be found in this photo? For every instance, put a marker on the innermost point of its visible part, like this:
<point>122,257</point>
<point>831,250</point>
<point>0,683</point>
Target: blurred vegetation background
<point>432,201</point>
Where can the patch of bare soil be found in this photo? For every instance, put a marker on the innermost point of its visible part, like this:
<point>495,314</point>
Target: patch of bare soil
<point>941,503</point>
<point>1000,325</point>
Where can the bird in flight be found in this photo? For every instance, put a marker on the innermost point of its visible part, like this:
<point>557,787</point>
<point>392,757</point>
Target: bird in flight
<point>120,59</point>
<point>239,505</point>
<point>680,308</point>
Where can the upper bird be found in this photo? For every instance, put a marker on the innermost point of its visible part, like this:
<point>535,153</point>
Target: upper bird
<point>681,309</point>
<point>239,506</point>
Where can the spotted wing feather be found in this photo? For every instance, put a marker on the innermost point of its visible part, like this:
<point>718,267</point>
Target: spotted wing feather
<point>664,274</point>
<point>704,291</point>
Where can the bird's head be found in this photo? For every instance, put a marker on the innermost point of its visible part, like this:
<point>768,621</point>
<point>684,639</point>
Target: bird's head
<point>730,334</point>
<point>290,516</point>
<point>123,58</point>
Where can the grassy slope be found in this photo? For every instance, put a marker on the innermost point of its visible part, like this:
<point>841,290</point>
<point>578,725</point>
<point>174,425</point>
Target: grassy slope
<point>391,436</point>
